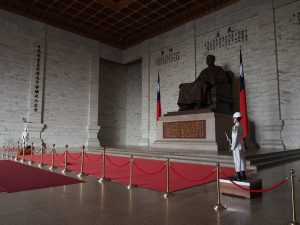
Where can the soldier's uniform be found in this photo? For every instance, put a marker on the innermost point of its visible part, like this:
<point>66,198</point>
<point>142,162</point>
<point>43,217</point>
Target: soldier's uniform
<point>238,150</point>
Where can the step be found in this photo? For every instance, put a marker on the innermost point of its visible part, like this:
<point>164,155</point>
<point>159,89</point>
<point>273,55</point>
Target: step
<point>276,162</point>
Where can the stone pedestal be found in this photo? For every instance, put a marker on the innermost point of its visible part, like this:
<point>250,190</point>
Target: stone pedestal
<point>35,130</point>
<point>226,187</point>
<point>194,130</point>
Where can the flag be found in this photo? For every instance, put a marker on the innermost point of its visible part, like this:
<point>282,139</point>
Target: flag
<point>243,103</point>
<point>158,104</point>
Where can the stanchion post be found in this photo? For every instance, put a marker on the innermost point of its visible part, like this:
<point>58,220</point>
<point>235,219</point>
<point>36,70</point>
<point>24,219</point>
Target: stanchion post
<point>292,177</point>
<point>52,167</point>
<point>103,178</point>
<point>42,157</point>
<point>130,186</point>
<point>17,154</point>
<point>168,193</point>
<point>23,155</point>
<point>82,174</point>
<point>7,152</point>
<point>65,170</point>
<point>30,162</point>
<point>3,151</point>
<point>11,156</point>
<point>218,206</point>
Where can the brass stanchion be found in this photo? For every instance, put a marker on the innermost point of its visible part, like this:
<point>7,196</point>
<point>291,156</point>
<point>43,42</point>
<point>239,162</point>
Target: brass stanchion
<point>3,151</point>
<point>11,156</point>
<point>7,152</point>
<point>42,157</point>
<point>82,174</point>
<point>130,186</point>
<point>31,154</point>
<point>168,193</point>
<point>103,178</point>
<point>52,167</point>
<point>18,149</point>
<point>23,155</point>
<point>294,221</point>
<point>65,170</point>
<point>219,206</point>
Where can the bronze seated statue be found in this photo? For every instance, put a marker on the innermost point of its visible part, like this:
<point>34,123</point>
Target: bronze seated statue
<point>212,89</point>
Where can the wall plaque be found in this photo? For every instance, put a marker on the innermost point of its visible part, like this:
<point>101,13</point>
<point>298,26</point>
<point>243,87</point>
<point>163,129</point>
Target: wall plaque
<point>184,129</point>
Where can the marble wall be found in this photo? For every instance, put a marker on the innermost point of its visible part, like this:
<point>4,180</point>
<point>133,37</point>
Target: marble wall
<point>119,103</point>
<point>88,86</point>
<point>268,33</point>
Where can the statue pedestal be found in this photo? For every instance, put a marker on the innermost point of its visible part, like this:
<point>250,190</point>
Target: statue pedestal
<point>194,130</point>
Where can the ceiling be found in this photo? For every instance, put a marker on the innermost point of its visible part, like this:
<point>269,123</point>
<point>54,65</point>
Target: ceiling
<point>120,23</point>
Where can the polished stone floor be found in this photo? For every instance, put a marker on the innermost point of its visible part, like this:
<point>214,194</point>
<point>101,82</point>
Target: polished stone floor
<point>112,203</point>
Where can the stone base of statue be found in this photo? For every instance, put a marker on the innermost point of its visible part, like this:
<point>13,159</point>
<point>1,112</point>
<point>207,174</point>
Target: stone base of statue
<point>200,129</point>
<point>226,187</point>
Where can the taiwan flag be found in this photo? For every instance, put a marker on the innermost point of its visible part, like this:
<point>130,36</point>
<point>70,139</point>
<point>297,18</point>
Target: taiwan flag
<point>158,104</point>
<point>243,103</point>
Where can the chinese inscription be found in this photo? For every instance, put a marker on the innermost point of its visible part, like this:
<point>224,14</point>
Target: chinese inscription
<point>296,18</point>
<point>184,129</point>
<point>37,78</point>
<point>167,57</point>
<point>227,39</point>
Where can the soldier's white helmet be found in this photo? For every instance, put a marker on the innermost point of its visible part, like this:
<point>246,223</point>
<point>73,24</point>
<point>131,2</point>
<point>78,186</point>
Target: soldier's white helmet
<point>237,115</point>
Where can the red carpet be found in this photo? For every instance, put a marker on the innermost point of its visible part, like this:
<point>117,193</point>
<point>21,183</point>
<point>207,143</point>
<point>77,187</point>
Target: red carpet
<point>147,173</point>
<point>19,177</point>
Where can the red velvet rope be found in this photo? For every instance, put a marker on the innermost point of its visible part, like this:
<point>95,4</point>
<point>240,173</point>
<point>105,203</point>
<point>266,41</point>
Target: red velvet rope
<point>117,165</point>
<point>35,150</point>
<point>255,191</point>
<point>147,173</point>
<point>191,180</point>
<point>75,157</point>
<point>59,156</point>
<point>88,158</point>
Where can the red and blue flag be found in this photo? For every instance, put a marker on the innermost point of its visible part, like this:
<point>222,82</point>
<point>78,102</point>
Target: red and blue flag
<point>158,103</point>
<point>243,103</point>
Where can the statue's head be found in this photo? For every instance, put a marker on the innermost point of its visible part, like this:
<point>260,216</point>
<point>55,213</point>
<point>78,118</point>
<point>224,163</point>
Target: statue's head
<point>210,60</point>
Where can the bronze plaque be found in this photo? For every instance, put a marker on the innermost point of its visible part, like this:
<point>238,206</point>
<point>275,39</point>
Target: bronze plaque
<point>184,129</point>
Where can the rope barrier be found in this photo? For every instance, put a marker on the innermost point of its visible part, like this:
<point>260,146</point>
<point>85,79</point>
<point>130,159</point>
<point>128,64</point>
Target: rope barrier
<point>59,156</point>
<point>147,173</point>
<point>88,158</point>
<point>256,191</point>
<point>117,165</point>
<point>75,157</point>
<point>37,151</point>
<point>191,180</point>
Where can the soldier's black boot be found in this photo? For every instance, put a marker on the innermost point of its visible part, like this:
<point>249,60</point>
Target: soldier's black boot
<point>243,175</point>
<point>237,176</point>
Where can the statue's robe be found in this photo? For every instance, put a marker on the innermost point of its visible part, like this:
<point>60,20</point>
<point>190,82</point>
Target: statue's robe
<point>197,94</point>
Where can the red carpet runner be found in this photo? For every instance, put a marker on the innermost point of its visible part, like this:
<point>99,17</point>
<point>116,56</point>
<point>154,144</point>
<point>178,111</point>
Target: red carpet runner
<point>19,177</point>
<point>147,173</point>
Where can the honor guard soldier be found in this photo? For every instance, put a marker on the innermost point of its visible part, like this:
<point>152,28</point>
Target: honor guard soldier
<point>238,148</point>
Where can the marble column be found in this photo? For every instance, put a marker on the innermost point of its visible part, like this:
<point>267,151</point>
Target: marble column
<point>34,123</point>
<point>144,140</point>
<point>93,143</point>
